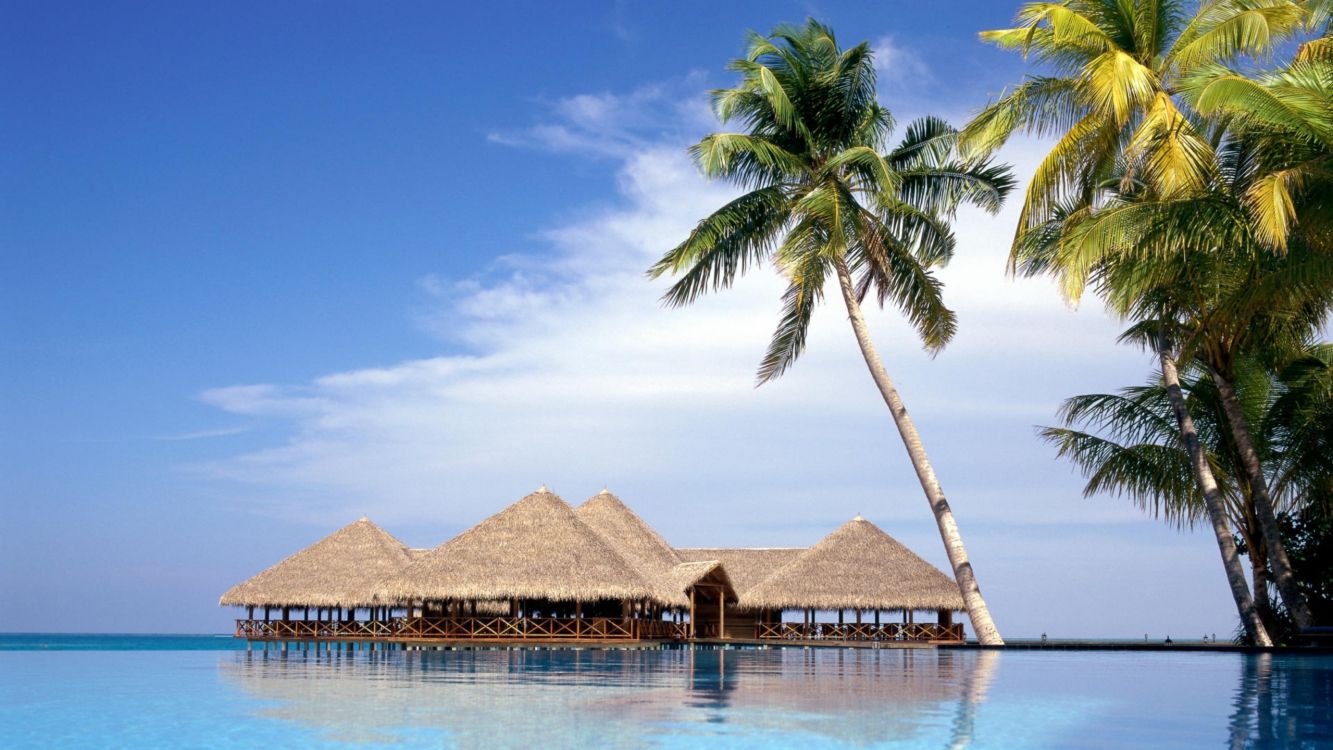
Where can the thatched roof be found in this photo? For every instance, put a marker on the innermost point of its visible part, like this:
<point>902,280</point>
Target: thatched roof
<point>745,566</point>
<point>685,575</point>
<point>636,541</point>
<point>536,548</point>
<point>341,570</point>
<point>856,567</point>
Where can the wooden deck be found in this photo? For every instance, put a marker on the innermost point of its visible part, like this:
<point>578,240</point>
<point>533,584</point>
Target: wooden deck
<point>496,629</point>
<point>928,632</point>
<point>589,630</point>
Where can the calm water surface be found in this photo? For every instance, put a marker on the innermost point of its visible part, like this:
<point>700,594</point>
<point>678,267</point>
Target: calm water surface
<point>180,691</point>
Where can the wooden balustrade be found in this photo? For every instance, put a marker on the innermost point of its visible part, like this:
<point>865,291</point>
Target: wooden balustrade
<point>826,631</point>
<point>576,629</point>
<point>466,628</point>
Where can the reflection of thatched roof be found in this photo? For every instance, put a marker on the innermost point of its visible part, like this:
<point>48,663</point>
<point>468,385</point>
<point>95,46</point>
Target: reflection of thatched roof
<point>636,542</point>
<point>856,567</point>
<point>534,549</point>
<point>340,570</point>
<point>618,699</point>
<point>745,566</point>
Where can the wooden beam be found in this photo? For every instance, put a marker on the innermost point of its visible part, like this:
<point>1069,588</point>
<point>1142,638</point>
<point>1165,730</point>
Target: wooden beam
<point>721,613</point>
<point>692,630</point>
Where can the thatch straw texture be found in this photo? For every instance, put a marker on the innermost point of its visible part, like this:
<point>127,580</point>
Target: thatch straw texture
<point>856,567</point>
<point>637,543</point>
<point>685,575</point>
<point>341,570</point>
<point>745,566</point>
<point>536,548</point>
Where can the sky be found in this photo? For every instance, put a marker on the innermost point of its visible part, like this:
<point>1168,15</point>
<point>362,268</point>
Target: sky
<point>265,268</point>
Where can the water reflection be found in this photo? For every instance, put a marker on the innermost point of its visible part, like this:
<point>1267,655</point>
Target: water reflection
<point>809,698</point>
<point>1280,708</point>
<point>622,698</point>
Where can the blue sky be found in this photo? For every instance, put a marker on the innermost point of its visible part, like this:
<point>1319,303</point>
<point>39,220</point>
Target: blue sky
<point>267,268</point>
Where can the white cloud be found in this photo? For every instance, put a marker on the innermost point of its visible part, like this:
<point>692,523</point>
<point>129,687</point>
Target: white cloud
<point>612,125</point>
<point>898,68</point>
<point>574,375</point>
<point>202,434</point>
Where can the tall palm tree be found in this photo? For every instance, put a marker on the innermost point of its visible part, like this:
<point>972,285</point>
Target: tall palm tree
<point>1127,444</point>
<point>826,197</point>
<point>1125,78</point>
<point>1198,264</point>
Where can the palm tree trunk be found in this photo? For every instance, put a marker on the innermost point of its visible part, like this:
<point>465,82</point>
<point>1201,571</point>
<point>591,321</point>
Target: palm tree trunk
<point>1212,500</point>
<point>1259,574</point>
<point>982,624</point>
<point>1263,503</point>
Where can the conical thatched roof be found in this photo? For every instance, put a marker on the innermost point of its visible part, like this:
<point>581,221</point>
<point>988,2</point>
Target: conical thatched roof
<point>536,548</point>
<point>341,570</point>
<point>856,567</point>
<point>636,542</point>
<point>745,566</point>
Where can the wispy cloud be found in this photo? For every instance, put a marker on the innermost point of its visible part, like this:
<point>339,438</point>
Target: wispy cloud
<point>610,125</point>
<point>899,69</point>
<point>574,375</point>
<point>203,434</point>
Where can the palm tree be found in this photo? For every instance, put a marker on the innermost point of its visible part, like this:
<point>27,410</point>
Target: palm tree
<point>825,198</point>
<point>1198,265</point>
<point>1119,74</point>
<point>1136,170</point>
<point>1127,444</point>
<point>1287,115</point>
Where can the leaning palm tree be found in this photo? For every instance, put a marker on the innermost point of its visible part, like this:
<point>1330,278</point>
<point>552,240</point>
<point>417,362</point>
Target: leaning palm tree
<point>825,197</point>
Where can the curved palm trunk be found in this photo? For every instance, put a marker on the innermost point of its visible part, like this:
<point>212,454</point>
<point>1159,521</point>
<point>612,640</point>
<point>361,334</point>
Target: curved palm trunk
<point>1259,574</point>
<point>977,611</point>
<point>1263,504</point>
<point>1212,500</point>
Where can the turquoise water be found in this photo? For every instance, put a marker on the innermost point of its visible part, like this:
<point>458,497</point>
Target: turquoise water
<point>184,691</point>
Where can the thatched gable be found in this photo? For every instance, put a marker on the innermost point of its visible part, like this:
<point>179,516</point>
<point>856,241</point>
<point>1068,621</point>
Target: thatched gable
<point>858,566</point>
<point>745,566</point>
<point>536,548</point>
<point>636,541</point>
<point>688,574</point>
<point>341,570</point>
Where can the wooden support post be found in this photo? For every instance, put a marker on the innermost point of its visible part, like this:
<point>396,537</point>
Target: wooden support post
<point>250,612</point>
<point>692,630</point>
<point>858,617</point>
<point>877,618</point>
<point>840,613</point>
<point>721,612</point>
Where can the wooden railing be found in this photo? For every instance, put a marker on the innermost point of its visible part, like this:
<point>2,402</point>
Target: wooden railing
<point>825,631</point>
<point>466,628</point>
<point>575,629</point>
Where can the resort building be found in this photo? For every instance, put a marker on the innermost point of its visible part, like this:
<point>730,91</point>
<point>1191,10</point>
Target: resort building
<point>541,571</point>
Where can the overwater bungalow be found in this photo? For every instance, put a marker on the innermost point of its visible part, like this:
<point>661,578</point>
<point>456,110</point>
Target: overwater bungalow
<point>318,591</point>
<point>540,571</point>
